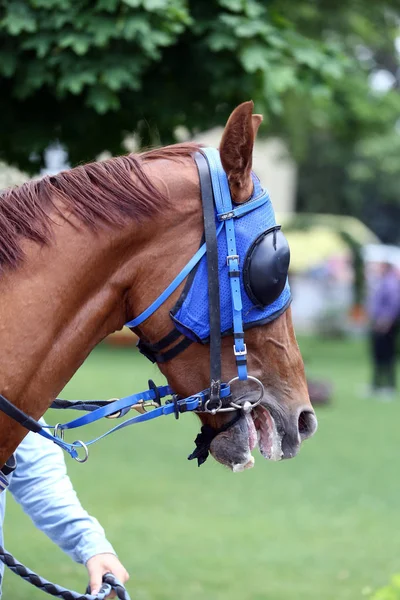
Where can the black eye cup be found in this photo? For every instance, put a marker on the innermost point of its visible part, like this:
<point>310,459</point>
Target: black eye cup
<point>266,267</point>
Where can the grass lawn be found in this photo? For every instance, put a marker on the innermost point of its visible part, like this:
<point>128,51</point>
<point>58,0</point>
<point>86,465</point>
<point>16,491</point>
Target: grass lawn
<point>324,526</point>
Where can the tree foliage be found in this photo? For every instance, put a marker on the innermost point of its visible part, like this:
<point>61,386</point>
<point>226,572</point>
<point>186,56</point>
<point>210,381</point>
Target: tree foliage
<point>86,72</point>
<point>350,164</point>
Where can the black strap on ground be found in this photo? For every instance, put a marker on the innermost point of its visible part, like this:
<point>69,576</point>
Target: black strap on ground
<point>214,309</point>
<point>110,583</point>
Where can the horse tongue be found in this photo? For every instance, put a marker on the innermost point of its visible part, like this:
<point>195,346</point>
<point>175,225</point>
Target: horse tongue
<point>233,446</point>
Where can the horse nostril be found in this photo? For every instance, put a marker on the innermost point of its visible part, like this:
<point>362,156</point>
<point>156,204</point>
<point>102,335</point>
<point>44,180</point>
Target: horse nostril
<point>307,423</point>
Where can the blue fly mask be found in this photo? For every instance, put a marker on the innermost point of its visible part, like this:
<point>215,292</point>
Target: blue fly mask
<point>251,272</point>
<point>263,261</point>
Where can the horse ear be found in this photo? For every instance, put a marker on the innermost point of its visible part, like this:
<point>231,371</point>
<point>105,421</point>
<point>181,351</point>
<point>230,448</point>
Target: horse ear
<point>236,150</point>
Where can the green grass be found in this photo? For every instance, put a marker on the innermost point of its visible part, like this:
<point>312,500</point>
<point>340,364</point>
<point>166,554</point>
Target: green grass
<point>324,526</point>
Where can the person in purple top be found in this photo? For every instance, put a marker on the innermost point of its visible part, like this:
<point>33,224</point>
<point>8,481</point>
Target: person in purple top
<point>383,309</point>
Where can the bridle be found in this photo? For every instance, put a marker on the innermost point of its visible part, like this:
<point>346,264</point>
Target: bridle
<point>219,214</point>
<point>213,199</point>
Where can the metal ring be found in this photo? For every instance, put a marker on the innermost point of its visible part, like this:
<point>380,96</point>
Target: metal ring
<point>58,431</point>
<point>213,410</point>
<point>256,402</point>
<point>82,445</point>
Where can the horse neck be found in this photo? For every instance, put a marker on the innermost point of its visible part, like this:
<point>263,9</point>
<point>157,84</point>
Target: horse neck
<point>55,308</point>
<point>69,295</point>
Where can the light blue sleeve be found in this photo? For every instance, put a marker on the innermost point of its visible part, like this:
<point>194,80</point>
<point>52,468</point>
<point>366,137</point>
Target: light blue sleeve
<point>41,485</point>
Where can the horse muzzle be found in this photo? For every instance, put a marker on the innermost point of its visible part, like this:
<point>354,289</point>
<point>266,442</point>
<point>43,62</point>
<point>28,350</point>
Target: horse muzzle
<point>276,434</point>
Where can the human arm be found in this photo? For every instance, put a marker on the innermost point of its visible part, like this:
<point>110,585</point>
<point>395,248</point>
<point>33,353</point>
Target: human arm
<point>42,487</point>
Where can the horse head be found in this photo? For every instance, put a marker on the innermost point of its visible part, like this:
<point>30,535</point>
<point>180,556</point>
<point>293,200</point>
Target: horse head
<point>283,417</point>
<point>88,250</point>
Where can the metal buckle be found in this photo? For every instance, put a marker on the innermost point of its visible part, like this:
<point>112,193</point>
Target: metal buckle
<point>239,352</point>
<point>232,257</point>
<point>141,406</point>
<point>227,215</point>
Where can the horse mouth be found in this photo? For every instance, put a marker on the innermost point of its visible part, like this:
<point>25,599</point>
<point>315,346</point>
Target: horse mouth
<point>233,447</point>
<point>268,439</point>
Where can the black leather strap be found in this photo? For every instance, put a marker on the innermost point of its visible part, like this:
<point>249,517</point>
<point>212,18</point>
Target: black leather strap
<point>10,465</point>
<point>170,354</point>
<point>210,234</point>
<point>86,405</point>
<point>18,415</point>
<point>153,351</point>
<point>167,340</point>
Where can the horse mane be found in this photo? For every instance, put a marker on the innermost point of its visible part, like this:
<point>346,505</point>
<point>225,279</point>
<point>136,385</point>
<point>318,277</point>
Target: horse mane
<point>97,193</point>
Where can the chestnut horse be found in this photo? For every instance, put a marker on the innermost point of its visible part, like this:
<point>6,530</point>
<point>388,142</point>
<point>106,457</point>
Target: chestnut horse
<point>85,251</point>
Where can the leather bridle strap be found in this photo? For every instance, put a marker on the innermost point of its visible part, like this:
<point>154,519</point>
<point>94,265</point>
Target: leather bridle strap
<point>157,353</point>
<point>18,415</point>
<point>28,422</point>
<point>210,235</point>
<point>32,425</point>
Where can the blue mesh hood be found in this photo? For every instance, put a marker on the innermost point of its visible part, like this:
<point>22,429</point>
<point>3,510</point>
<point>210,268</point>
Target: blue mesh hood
<point>190,314</point>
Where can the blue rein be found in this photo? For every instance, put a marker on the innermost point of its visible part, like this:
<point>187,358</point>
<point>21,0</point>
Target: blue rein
<point>114,409</point>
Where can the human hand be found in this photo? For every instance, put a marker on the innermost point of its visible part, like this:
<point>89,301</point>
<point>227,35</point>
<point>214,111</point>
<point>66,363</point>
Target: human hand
<point>99,565</point>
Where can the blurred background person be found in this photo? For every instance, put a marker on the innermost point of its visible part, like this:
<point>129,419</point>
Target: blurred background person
<point>383,307</point>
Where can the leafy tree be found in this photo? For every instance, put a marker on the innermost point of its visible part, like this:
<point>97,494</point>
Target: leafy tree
<point>85,72</point>
<point>350,164</point>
